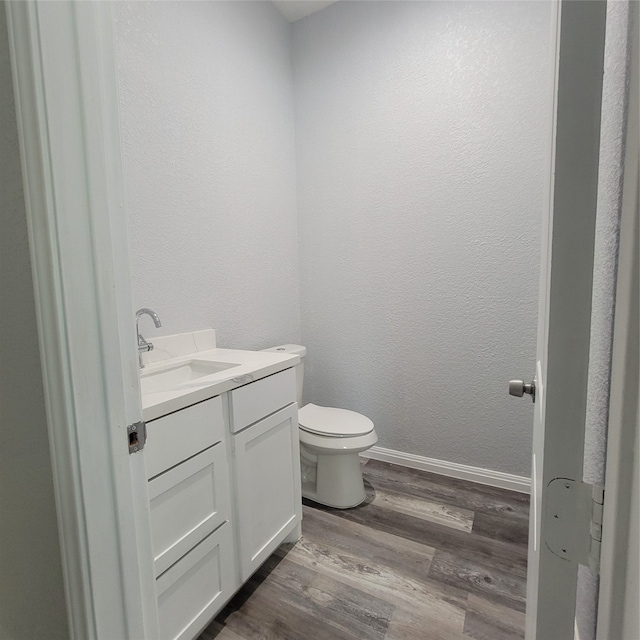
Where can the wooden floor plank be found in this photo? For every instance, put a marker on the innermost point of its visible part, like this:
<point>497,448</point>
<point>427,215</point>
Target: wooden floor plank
<point>500,586</point>
<point>393,587</point>
<point>382,549</point>
<point>487,620</point>
<point>452,491</point>
<point>296,602</point>
<point>409,624</point>
<point>475,548</point>
<point>500,528</point>
<point>420,508</point>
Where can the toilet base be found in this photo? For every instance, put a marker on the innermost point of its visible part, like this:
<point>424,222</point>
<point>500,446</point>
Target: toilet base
<point>338,482</point>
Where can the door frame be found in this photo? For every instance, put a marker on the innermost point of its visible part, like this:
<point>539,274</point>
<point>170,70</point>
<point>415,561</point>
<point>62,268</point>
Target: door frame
<point>71,162</point>
<point>64,77</point>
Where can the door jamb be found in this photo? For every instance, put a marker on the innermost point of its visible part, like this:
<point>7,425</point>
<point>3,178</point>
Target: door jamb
<point>616,614</point>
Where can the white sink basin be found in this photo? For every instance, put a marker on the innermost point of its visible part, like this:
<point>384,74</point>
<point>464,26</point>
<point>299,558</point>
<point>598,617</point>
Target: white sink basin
<point>176,375</point>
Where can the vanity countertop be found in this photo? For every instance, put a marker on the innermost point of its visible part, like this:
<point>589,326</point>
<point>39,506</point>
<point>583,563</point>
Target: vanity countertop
<point>246,366</point>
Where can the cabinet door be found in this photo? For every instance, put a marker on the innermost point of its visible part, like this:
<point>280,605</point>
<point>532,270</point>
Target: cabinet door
<point>268,484</point>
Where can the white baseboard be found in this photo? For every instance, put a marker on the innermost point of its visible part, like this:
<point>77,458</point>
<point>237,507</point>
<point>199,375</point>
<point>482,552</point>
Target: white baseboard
<point>451,469</point>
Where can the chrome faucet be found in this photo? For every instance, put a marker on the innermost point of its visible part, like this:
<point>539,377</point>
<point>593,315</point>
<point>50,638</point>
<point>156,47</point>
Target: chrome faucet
<point>143,345</point>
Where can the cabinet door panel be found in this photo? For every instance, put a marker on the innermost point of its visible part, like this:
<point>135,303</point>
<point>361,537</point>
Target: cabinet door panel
<point>268,485</point>
<point>187,503</point>
<point>193,590</point>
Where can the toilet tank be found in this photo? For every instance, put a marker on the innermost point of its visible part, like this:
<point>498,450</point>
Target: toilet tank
<point>294,350</point>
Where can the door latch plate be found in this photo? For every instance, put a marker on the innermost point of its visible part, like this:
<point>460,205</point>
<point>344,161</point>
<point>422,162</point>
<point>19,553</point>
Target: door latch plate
<point>137,435</point>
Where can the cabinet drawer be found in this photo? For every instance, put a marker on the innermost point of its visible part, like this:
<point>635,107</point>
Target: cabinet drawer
<point>180,435</point>
<point>187,503</point>
<point>193,590</point>
<point>259,399</point>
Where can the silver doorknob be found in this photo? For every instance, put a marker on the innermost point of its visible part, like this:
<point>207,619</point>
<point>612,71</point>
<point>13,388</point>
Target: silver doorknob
<point>520,387</point>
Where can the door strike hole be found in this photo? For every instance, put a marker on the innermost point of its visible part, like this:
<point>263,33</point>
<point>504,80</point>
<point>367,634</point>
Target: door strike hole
<point>133,439</point>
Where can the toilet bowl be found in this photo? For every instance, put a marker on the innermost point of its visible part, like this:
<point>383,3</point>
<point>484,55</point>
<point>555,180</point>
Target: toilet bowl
<point>330,441</point>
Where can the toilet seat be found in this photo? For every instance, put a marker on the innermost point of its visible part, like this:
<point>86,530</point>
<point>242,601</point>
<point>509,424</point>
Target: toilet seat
<point>332,422</point>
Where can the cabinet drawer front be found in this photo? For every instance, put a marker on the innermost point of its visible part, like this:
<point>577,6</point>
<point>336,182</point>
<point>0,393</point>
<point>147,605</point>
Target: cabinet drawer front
<point>187,503</point>
<point>268,483</point>
<point>180,435</point>
<point>193,590</point>
<point>259,399</point>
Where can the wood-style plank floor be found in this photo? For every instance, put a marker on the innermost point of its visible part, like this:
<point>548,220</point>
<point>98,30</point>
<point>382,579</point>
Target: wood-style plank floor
<point>423,557</point>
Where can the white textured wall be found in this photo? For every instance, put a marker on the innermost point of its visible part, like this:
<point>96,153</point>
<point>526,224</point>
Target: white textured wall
<point>209,160</point>
<point>421,129</point>
<point>32,603</point>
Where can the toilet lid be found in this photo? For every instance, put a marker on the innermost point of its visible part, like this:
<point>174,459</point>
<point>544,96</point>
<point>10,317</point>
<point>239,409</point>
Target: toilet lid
<point>328,421</point>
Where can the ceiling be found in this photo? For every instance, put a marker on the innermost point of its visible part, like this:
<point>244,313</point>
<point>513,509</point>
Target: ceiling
<point>294,10</point>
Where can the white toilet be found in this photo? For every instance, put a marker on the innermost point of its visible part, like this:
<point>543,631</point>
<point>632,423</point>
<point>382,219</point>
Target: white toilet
<point>330,441</point>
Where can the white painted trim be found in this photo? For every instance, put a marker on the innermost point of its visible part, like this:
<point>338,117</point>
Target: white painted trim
<point>451,469</point>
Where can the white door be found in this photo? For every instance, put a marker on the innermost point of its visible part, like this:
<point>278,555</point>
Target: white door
<point>559,524</point>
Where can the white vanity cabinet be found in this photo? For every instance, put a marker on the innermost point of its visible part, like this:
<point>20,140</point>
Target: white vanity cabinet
<point>264,419</point>
<point>190,516</point>
<point>224,491</point>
